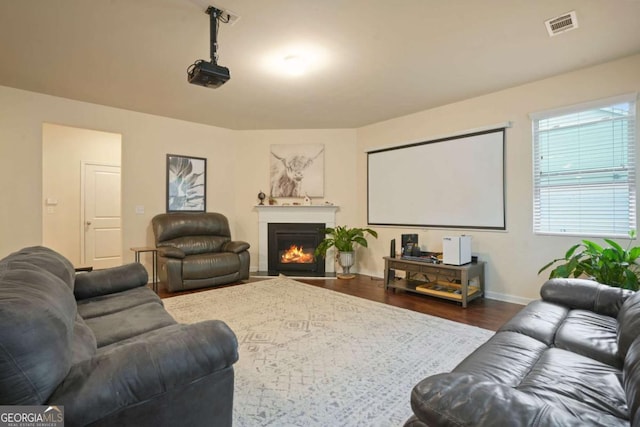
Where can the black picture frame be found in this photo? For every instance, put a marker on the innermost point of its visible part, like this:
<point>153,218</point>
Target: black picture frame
<point>186,183</point>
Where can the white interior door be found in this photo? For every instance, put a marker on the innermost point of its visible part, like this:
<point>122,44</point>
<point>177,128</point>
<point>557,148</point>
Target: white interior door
<point>101,220</point>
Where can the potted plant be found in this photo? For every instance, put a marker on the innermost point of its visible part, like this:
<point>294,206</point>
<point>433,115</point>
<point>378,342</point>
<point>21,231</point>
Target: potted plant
<point>613,265</point>
<point>344,239</point>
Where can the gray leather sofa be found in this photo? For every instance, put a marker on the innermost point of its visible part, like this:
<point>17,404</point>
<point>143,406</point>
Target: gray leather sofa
<point>569,359</point>
<point>102,345</point>
<point>195,250</point>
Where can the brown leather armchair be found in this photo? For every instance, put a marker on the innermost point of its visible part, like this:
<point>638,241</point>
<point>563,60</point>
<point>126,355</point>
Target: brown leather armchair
<point>195,250</point>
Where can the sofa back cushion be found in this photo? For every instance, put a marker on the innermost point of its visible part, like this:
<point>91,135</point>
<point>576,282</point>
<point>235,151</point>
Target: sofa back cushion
<point>193,233</point>
<point>631,381</point>
<point>172,225</point>
<point>193,245</point>
<point>47,259</point>
<point>628,323</point>
<point>37,314</point>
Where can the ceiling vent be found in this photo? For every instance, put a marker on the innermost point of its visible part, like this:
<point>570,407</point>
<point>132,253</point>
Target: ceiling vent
<point>560,24</point>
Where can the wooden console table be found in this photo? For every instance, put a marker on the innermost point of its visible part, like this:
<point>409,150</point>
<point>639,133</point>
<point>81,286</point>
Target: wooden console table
<point>460,283</point>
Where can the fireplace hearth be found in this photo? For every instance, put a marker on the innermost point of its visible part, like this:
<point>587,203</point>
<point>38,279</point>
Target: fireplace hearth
<point>291,248</point>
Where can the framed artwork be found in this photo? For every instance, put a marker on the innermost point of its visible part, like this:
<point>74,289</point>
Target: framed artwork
<point>297,170</point>
<point>186,184</point>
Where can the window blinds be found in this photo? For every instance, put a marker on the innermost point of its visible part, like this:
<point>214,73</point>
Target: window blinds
<point>584,169</point>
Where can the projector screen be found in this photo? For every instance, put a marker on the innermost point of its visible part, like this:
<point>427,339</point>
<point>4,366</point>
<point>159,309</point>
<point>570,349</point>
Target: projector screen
<point>454,182</point>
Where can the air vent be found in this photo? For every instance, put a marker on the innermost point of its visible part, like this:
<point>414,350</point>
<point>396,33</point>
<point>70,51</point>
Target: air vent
<point>560,24</point>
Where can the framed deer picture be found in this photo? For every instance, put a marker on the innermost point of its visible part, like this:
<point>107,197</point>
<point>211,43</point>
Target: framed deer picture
<point>297,170</point>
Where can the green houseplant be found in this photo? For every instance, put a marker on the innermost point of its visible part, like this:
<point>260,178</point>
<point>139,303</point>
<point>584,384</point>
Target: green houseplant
<point>613,265</point>
<point>344,239</point>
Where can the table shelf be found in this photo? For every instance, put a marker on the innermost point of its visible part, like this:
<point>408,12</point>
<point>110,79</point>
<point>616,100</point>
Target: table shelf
<point>460,283</point>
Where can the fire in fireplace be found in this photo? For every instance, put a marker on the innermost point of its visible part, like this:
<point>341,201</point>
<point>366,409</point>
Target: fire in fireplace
<point>297,255</point>
<point>291,248</point>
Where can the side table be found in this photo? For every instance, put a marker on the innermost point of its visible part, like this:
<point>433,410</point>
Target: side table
<point>154,263</point>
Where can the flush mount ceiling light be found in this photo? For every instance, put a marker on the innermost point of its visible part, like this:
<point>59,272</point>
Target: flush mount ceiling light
<point>209,73</point>
<point>295,60</point>
<point>294,65</point>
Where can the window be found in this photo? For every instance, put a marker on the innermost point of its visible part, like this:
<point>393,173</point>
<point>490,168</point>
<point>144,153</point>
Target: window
<point>584,169</point>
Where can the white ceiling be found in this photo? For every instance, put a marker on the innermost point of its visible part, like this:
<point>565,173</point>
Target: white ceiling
<point>375,59</point>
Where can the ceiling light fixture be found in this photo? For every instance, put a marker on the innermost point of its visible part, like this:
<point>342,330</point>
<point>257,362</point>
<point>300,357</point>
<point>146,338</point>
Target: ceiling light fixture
<point>296,60</point>
<point>295,65</point>
<point>210,74</point>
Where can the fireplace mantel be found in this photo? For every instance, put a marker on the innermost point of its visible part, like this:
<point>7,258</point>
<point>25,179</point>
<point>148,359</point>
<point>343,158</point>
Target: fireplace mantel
<point>291,213</point>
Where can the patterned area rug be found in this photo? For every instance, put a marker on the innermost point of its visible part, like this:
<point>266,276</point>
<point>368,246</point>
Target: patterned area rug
<point>314,357</point>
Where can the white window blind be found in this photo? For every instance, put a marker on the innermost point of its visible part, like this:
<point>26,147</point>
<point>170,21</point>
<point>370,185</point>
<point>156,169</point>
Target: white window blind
<point>584,169</point>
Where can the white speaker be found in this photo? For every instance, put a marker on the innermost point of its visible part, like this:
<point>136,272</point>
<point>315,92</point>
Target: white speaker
<point>456,250</point>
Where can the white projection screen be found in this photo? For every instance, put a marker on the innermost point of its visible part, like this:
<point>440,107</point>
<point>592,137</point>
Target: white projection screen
<point>454,182</point>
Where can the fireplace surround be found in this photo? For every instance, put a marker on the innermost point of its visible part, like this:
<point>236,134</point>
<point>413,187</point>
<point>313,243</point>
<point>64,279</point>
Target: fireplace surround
<point>322,214</point>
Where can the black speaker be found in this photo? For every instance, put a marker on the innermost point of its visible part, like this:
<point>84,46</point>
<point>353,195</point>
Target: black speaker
<point>392,251</point>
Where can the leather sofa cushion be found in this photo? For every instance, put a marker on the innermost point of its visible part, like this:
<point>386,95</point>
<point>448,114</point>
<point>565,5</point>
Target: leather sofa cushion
<point>539,320</point>
<point>129,323</point>
<point>576,383</point>
<point>204,266</point>
<point>112,303</point>
<point>631,380</point>
<point>193,245</point>
<point>37,314</point>
<point>590,334</point>
<point>460,399</point>
<point>585,295</point>
<point>628,323</point>
<point>488,361</point>
<point>172,225</point>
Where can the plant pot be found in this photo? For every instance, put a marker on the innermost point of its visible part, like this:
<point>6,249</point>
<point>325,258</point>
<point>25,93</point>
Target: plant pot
<point>346,260</point>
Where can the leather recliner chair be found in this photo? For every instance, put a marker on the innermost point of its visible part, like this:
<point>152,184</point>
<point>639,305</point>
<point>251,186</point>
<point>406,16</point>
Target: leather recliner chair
<point>195,250</point>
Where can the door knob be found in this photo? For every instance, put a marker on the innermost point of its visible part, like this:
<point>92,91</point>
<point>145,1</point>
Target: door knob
<point>88,223</point>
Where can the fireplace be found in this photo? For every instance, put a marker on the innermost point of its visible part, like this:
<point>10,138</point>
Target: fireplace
<point>291,248</point>
<point>293,214</point>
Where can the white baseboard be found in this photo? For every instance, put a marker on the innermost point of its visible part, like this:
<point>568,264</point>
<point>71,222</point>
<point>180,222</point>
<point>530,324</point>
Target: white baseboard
<point>507,298</point>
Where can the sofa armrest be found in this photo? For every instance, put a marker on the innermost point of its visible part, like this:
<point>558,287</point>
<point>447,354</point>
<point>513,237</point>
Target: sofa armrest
<point>462,399</point>
<point>171,252</point>
<point>111,280</point>
<point>144,369</point>
<point>236,246</point>
<point>586,295</point>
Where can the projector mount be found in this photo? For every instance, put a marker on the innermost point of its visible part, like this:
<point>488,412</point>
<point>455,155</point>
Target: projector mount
<point>214,16</point>
<point>210,74</point>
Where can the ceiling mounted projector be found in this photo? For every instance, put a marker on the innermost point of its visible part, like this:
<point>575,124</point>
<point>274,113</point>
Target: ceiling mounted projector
<point>209,73</point>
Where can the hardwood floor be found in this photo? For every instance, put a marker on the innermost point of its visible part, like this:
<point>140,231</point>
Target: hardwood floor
<point>482,312</point>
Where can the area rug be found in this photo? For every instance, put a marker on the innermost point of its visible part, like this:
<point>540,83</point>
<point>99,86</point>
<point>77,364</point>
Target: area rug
<point>314,357</point>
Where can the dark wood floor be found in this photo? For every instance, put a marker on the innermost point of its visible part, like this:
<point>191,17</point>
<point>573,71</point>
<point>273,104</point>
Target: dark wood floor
<point>482,312</point>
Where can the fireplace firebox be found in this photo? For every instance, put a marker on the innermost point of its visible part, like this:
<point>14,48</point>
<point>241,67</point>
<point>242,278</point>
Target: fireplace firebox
<point>291,248</point>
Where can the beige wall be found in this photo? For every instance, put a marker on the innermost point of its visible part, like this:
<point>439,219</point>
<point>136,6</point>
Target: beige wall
<point>238,164</point>
<point>146,140</point>
<point>64,149</point>
<point>252,174</point>
<point>514,256</point>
